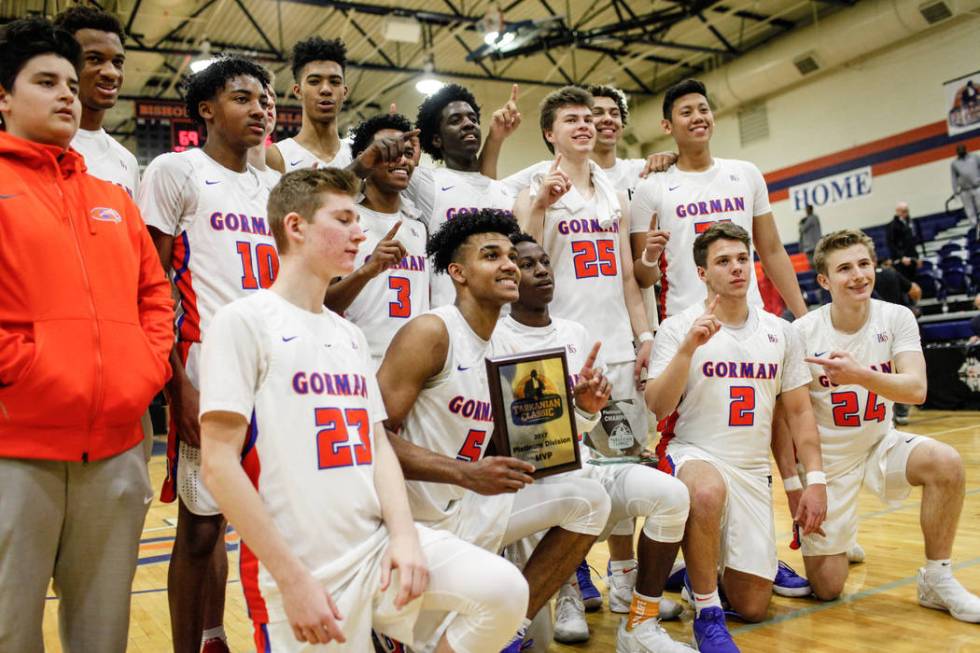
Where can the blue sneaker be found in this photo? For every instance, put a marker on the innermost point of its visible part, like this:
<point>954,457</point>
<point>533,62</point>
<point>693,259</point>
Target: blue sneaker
<point>687,593</point>
<point>675,581</point>
<point>711,632</point>
<point>590,594</point>
<point>517,644</point>
<point>789,583</point>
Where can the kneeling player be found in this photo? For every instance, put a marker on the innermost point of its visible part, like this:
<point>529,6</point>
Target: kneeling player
<point>295,455</point>
<point>634,490</point>
<point>716,375</point>
<point>865,355</point>
<point>435,389</point>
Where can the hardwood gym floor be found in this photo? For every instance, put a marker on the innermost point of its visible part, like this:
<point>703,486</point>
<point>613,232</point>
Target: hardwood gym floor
<point>877,613</point>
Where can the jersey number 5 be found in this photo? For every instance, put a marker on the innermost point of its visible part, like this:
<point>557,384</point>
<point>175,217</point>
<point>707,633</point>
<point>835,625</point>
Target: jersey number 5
<point>594,258</point>
<point>472,447</point>
<point>741,412</point>
<point>402,306</point>
<point>268,264</point>
<point>333,445</point>
<point>846,408</point>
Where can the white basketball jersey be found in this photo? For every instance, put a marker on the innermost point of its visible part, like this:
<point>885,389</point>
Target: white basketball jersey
<point>107,159</point>
<point>587,262</point>
<point>398,294</point>
<point>727,405</point>
<point>223,247</point>
<point>511,336</point>
<point>687,203</point>
<point>441,195</point>
<point>297,157</point>
<point>625,175</point>
<point>852,419</point>
<point>452,415</point>
<point>305,383</point>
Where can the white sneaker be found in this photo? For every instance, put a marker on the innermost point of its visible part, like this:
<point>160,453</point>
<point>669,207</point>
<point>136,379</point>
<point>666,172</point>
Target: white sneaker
<point>648,637</point>
<point>947,594</point>
<point>570,624</point>
<point>621,584</point>
<point>855,554</point>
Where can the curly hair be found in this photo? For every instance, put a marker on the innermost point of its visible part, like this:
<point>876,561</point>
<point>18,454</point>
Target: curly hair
<point>614,94</point>
<point>22,40</point>
<point>519,237</point>
<point>206,84</point>
<point>430,115</point>
<point>364,132</point>
<point>443,246</point>
<point>318,49</point>
<point>85,17</point>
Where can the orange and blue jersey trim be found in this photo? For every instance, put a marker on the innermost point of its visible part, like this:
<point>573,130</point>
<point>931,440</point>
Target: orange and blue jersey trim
<point>666,427</point>
<point>261,637</point>
<point>189,322</point>
<point>248,563</point>
<point>168,492</point>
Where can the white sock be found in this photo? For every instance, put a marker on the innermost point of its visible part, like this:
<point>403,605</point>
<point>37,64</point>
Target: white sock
<point>939,568</point>
<point>218,632</point>
<point>702,601</point>
<point>621,566</point>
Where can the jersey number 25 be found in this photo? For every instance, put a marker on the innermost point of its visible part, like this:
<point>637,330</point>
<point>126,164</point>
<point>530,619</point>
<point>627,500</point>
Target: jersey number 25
<point>594,258</point>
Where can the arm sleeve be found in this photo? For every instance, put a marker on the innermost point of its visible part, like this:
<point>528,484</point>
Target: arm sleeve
<point>645,201</point>
<point>796,373</point>
<point>760,192</point>
<point>156,304</point>
<point>665,346</point>
<point>163,194</point>
<point>905,330</point>
<point>232,363</point>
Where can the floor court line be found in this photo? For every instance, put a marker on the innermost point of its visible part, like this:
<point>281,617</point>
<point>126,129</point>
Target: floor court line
<point>850,598</point>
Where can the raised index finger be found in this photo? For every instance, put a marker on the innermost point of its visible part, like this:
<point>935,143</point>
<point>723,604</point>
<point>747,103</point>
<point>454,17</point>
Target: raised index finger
<point>394,229</point>
<point>590,360</point>
<point>556,163</point>
<point>407,136</point>
<point>712,306</point>
<point>513,93</point>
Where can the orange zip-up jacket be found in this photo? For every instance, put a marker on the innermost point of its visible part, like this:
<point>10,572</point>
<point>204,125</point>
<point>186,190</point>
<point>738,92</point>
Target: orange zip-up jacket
<point>86,314</point>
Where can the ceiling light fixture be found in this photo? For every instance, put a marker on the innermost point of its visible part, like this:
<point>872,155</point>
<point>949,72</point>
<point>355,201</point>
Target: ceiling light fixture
<point>428,84</point>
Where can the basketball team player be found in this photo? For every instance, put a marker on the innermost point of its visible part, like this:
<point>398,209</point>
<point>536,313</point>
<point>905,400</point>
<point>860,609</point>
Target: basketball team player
<point>318,67</point>
<point>670,209</point>
<point>390,284</point>
<point>206,211</point>
<point>297,456</point>
<point>100,77</point>
<point>449,131</point>
<point>865,355</point>
<point>256,153</point>
<point>434,383</point>
<point>634,490</point>
<point>718,369</point>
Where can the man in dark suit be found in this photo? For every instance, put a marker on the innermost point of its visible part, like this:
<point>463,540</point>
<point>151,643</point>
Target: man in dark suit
<point>903,241</point>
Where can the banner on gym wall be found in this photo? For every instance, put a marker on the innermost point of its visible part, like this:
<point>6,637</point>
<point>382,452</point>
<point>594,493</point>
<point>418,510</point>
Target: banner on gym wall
<point>962,103</point>
<point>842,187</point>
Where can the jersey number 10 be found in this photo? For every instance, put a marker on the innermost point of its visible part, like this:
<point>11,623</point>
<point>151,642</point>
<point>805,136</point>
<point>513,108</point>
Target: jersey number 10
<point>268,264</point>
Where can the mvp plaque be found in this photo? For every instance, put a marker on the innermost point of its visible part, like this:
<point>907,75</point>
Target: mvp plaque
<point>534,415</point>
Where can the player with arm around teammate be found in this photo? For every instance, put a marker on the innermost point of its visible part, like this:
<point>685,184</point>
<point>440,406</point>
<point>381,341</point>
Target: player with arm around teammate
<point>390,285</point>
<point>718,370</point>
<point>634,490</point>
<point>865,355</point>
<point>435,388</point>
<point>297,457</point>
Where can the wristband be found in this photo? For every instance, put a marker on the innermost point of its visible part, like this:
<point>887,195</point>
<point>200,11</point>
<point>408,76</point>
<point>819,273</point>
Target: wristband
<point>646,263</point>
<point>646,336</point>
<point>792,484</point>
<point>816,478</point>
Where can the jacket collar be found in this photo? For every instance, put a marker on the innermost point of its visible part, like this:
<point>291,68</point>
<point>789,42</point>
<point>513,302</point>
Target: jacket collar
<point>41,156</point>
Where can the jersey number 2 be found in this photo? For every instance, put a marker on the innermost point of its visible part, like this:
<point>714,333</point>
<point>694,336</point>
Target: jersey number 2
<point>741,412</point>
<point>268,264</point>
<point>594,258</point>
<point>846,408</point>
<point>333,445</point>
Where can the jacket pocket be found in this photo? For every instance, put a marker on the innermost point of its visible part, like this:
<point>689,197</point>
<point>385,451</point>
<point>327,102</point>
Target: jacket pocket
<point>132,373</point>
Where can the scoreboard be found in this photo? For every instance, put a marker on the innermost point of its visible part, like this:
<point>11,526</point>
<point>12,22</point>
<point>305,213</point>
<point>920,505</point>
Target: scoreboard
<point>164,126</point>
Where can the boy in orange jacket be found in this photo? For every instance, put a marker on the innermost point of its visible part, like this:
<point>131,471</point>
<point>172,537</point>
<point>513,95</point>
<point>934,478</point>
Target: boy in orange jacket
<point>85,332</point>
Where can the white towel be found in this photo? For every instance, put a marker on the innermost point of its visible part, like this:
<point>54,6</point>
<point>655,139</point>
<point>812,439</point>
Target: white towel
<point>608,209</point>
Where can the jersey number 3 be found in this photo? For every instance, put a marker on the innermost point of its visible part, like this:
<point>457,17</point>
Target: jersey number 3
<point>333,443</point>
<point>402,306</point>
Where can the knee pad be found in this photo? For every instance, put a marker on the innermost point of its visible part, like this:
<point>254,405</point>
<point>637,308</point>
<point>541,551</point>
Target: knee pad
<point>667,522</point>
<point>590,512</point>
